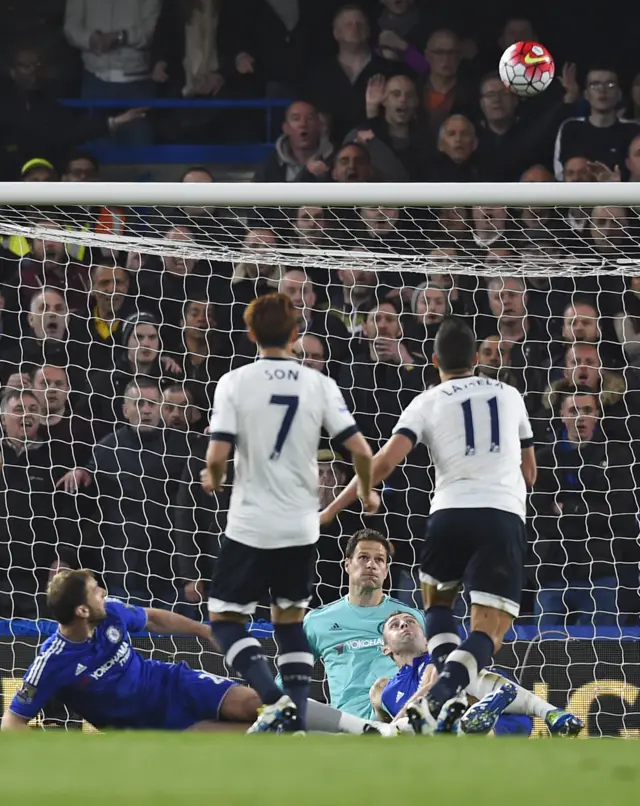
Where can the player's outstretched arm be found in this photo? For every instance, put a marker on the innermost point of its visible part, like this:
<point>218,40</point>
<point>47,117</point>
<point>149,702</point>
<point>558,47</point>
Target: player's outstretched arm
<point>11,721</point>
<point>362,458</point>
<point>384,463</point>
<point>163,622</point>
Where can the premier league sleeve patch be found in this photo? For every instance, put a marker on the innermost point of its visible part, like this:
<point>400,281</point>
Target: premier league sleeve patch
<point>27,693</point>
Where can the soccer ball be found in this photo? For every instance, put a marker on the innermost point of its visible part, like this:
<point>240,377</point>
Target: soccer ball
<point>526,68</point>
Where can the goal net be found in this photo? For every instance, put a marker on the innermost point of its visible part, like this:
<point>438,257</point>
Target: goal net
<point>121,307</point>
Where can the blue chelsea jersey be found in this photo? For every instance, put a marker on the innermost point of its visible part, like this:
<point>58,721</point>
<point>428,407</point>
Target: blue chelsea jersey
<point>406,682</point>
<point>102,679</point>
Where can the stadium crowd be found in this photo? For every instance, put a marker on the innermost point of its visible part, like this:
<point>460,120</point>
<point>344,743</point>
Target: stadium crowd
<point>109,361</point>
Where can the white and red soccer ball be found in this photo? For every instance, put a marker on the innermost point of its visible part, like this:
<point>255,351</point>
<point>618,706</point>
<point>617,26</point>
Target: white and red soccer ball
<point>526,68</point>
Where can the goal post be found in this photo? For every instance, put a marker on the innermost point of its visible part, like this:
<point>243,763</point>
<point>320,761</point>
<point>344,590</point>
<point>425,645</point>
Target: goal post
<point>103,283</point>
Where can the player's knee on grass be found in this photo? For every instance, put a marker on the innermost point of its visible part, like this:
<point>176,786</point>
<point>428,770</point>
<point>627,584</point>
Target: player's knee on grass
<point>240,705</point>
<point>491,621</point>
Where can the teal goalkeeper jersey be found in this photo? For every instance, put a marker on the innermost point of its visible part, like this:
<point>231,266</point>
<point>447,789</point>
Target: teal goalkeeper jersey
<point>348,640</point>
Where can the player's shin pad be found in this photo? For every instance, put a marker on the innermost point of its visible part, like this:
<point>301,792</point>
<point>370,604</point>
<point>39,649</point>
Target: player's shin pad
<point>244,654</point>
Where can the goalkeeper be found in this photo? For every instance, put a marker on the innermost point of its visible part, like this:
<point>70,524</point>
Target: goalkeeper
<point>503,706</point>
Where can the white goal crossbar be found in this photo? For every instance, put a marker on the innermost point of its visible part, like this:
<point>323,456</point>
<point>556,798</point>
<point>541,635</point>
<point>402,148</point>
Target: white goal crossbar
<point>336,194</point>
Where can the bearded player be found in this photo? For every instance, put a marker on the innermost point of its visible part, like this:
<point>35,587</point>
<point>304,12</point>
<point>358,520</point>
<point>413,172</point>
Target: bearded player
<point>502,705</point>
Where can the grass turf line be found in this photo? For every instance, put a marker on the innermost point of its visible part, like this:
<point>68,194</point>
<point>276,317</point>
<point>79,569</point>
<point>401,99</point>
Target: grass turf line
<point>153,769</point>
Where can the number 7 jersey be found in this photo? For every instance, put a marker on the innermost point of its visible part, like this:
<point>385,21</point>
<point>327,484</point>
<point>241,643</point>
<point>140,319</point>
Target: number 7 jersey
<point>474,429</point>
<point>274,411</point>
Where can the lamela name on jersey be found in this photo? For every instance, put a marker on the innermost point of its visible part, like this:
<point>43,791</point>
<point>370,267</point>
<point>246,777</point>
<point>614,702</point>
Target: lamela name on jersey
<point>475,429</point>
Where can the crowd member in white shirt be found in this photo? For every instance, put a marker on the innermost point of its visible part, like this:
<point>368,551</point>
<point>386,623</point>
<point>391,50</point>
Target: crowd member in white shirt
<point>114,39</point>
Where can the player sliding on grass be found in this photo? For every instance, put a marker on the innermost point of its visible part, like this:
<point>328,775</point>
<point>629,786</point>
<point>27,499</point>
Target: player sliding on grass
<point>90,665</point>
<point>503,706</point>
<point>274,411</point>
<point>481,443</point>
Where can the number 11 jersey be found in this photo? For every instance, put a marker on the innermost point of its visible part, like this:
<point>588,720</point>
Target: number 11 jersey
<point>474,429</point>
<point>274,411</point>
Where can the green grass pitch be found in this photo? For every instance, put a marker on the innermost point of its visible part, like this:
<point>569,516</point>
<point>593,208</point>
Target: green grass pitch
<point>222,769</point>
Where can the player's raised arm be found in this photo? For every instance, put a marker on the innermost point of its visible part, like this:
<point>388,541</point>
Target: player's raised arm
<point>163,622</point>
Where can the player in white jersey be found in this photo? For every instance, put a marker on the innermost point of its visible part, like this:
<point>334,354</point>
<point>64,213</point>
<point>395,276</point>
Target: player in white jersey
<point>274,412</point>
<point>481,443</point>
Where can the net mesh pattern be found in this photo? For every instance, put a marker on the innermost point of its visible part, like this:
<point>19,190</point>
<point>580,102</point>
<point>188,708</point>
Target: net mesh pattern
<point>101,472</point>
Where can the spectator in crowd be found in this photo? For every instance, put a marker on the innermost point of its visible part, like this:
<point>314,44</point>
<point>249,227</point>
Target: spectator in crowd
<point>352,163</point>
<point>114,38</point>
<point>109,303</point>
<point>392,106</point>
<point>272,46</point>
<point>312,351</point>
<point>208,223</point>
<point>165,285</point>
<point>602,136</point>
<point>141,358</point>
<point>510,139</point>
<point>177,409</point>
<point>324,324</point>
<point>188,62</point>
<point>251,279</point>
<point>618,406</point>
<point>493,360</point>
<point>455,160</point>
<point>80,166</point>
<point>51,264</point>
<point>445,93</point>
<point>70,435</point>
<point>353,298</point>
<point>302,148</point>
<point>134,475</point>
<point>429,305</point>
<point>632,162</point>
<point>38,170</point>
<point>44,340</point>
<point>36,123</point>
<point>338,87</point>
<point>206,354</point>
<point>584,517</point>
<point>524,337</point>
<point>36,518</point>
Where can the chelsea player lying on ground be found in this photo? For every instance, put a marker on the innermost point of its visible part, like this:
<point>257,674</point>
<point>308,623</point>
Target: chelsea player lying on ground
<point>90,665</point>
<point>503,706</point>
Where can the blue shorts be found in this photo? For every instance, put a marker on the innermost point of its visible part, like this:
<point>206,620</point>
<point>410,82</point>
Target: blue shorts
<point>194,697</point>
